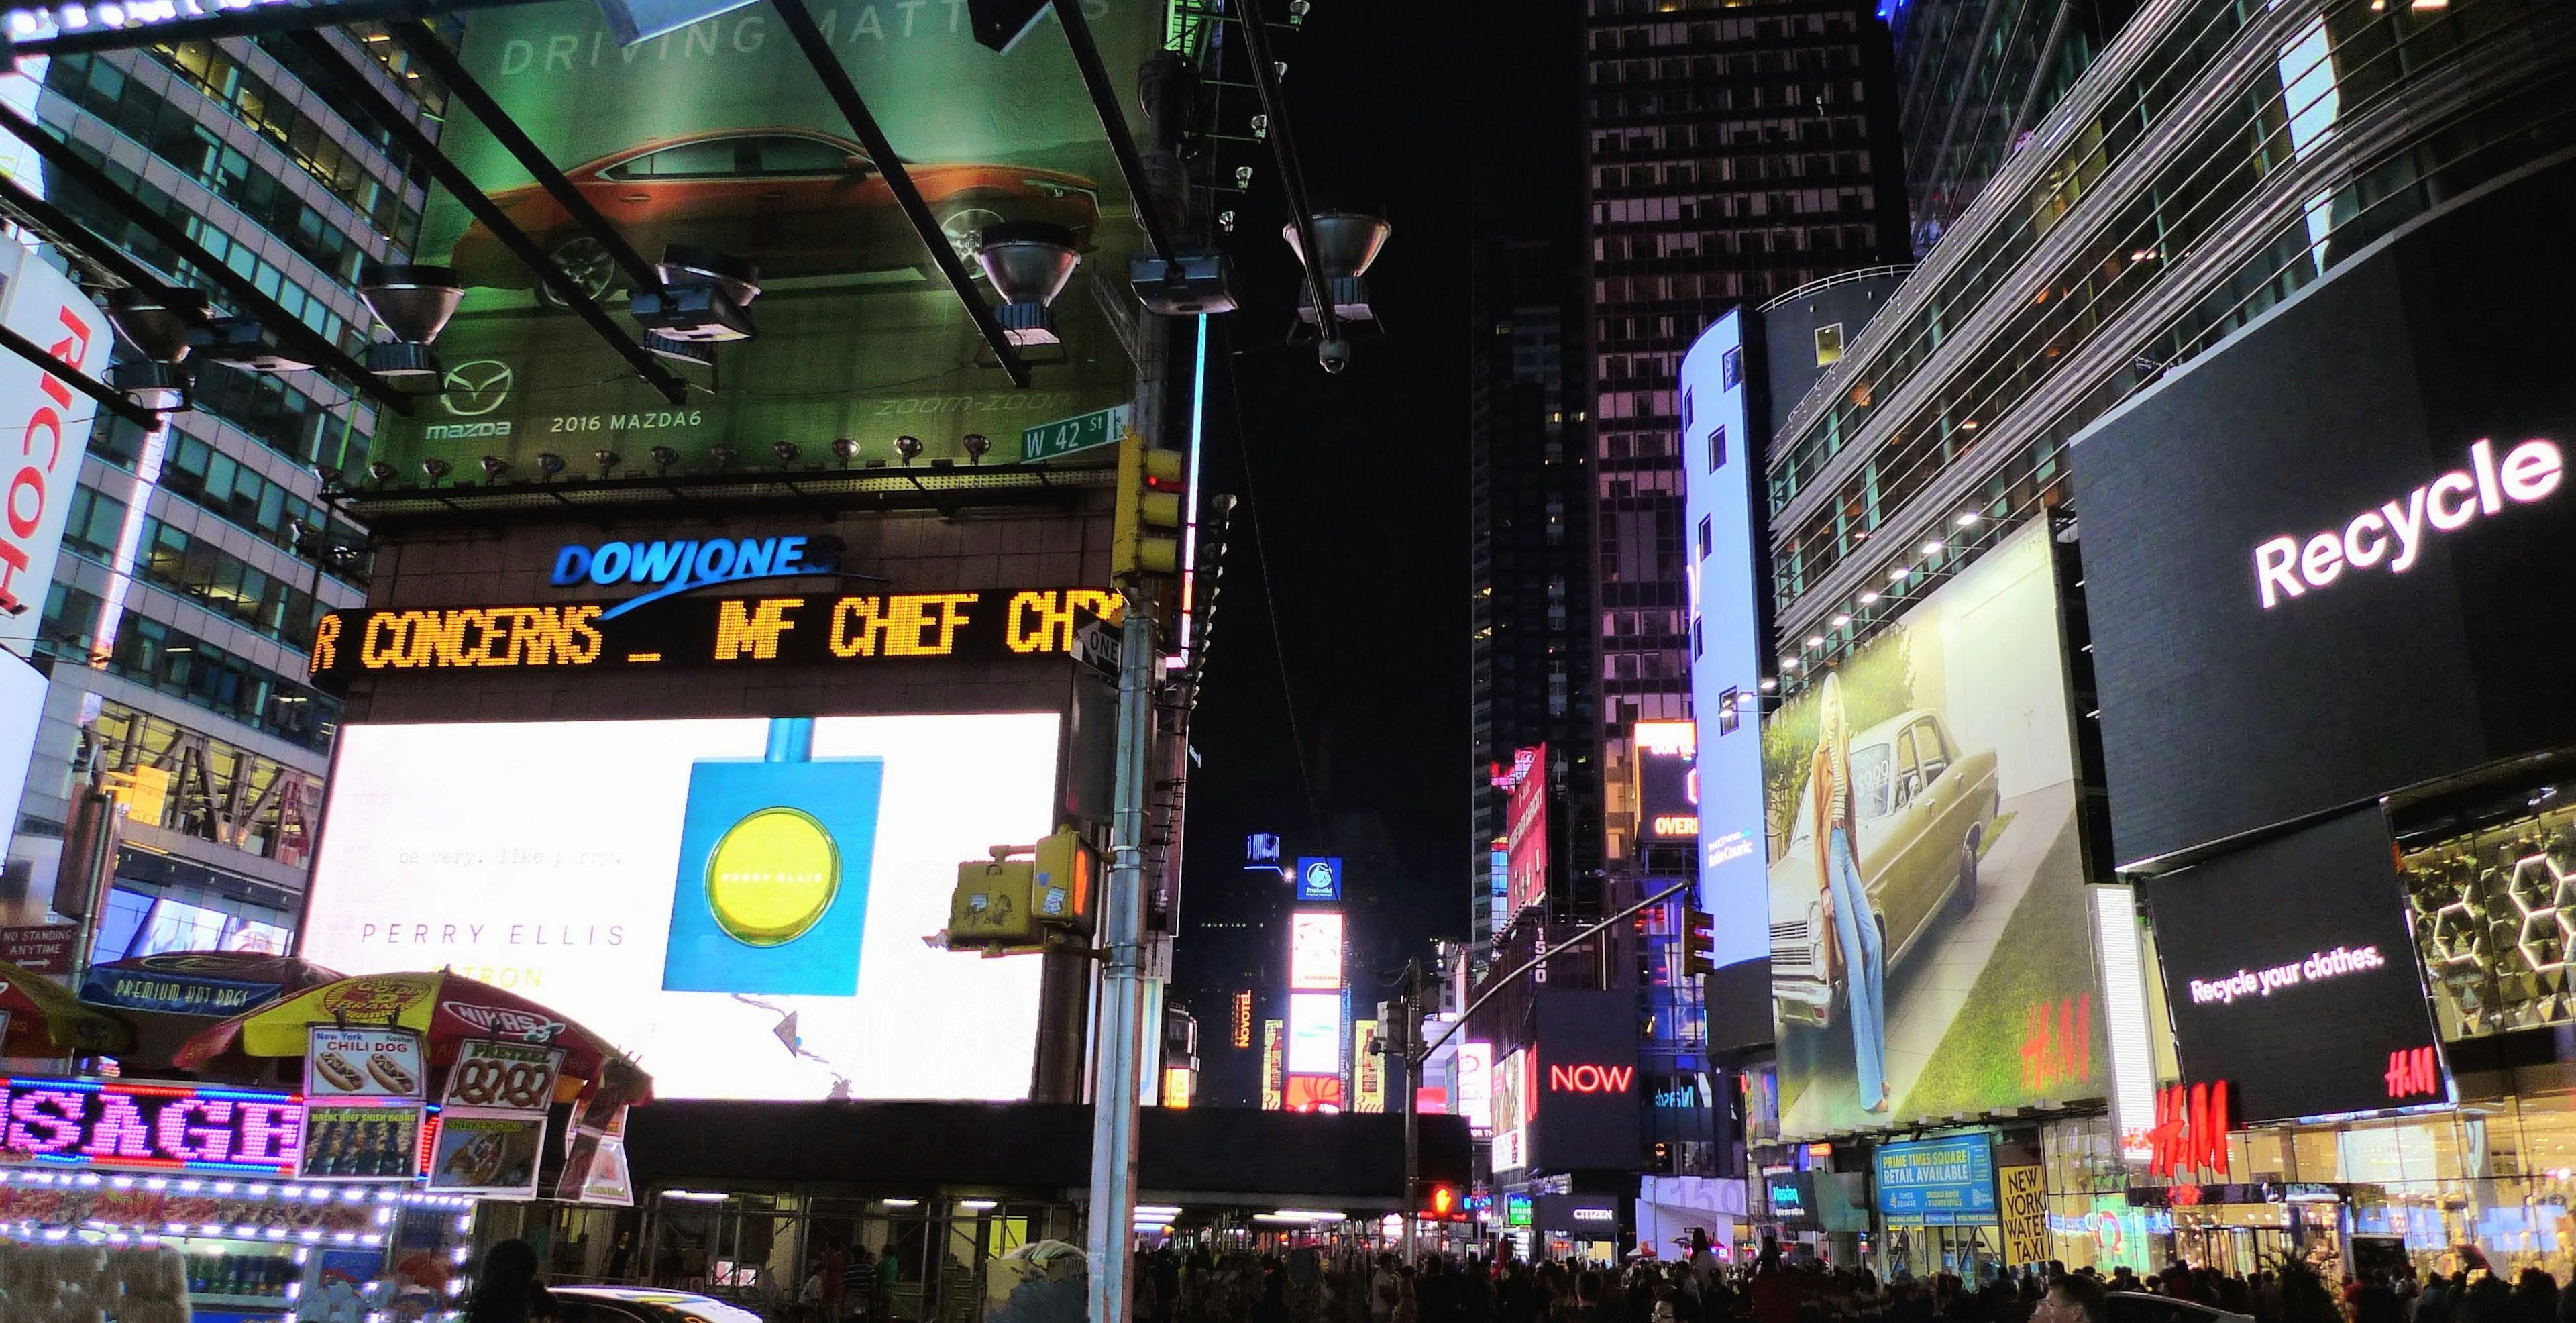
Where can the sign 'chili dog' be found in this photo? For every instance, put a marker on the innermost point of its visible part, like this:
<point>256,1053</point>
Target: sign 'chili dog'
<point>364,1063</point>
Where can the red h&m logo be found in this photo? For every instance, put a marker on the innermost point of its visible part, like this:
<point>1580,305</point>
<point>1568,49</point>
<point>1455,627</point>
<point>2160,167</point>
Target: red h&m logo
<point>2191,1130</point>
<point>2412,1070</point>
<point>1591,1079</point>
<point>2057,1044</point>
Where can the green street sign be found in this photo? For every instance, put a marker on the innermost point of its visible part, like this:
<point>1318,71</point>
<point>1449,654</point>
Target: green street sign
<point>1067,435</point>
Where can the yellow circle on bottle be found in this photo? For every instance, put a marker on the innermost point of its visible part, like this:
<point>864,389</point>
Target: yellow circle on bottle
<point>772,877</point>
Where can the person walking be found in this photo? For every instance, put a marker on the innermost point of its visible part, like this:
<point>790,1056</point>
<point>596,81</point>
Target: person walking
<point>507,1290</point>
<point>1855,920</point>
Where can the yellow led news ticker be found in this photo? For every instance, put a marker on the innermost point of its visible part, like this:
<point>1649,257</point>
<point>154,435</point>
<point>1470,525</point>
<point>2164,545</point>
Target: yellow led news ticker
<point>974,624</point>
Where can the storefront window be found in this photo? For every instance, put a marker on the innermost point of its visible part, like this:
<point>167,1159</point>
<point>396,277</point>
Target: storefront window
<point>2090,1221</point>
<point>2490,926</point>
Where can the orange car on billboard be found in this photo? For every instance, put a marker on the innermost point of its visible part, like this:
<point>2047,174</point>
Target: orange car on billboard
<point>794,201</point>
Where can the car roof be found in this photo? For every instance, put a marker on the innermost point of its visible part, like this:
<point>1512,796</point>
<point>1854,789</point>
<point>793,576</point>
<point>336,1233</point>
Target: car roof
<point>1886,730</point>
<point>640,1295</point>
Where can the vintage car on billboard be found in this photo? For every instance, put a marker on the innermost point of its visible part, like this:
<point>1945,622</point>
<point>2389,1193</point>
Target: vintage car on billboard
<point>1921,810</point>
<point>793,201</point>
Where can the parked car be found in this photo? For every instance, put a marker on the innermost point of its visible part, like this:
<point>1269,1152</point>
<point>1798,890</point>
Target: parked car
<point>794,201</point>
<point>643,1304</point>
<point>2140,1307</point>
<point>1921,810</point>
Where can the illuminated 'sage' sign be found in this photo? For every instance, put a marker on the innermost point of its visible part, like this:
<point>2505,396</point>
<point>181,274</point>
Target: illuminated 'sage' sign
<point>153,1125</point>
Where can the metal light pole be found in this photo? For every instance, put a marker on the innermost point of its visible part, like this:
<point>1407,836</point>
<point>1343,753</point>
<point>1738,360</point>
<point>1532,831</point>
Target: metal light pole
<point>1122,981</point>
<point>1409,1015</point>
<point>1418,1052</point>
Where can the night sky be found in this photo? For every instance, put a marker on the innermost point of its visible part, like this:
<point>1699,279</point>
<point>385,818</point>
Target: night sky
<point>1360,481</point>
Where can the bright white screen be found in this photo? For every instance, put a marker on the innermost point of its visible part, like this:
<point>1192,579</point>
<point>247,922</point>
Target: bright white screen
<point>1315,951</point>
<point>542,856</point>
<point>1315,1033</point>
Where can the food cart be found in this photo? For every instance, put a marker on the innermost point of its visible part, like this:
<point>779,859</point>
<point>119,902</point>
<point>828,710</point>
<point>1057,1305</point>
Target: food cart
<point>332,1173</point>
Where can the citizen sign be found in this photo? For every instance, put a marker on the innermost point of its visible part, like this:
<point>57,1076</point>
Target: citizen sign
<point>2394,534</point>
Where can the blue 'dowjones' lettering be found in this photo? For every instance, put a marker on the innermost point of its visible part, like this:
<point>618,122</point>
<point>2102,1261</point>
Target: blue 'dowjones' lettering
<point>676,566</point>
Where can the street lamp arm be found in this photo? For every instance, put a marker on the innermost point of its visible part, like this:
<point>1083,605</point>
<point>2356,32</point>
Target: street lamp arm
<point>1424,1052</point>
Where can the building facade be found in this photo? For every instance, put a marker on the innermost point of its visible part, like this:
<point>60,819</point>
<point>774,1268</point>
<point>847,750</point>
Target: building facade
<point>1732,153</point>
<point>2004,516</point>
<point>196,560</point>
<point>1536,682</point>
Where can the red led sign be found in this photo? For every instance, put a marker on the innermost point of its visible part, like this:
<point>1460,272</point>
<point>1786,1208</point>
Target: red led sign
<point>1590,1079</point>
<point>2191,1130</point>
<point>173,1126</point>
<point>2413,1071</point>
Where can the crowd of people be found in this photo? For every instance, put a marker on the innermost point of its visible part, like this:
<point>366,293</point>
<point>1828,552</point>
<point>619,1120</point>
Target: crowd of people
<point>1352,1285</point>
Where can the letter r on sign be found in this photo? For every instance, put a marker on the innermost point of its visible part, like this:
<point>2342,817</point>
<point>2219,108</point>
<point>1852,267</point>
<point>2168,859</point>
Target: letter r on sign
<point>2275,565</point>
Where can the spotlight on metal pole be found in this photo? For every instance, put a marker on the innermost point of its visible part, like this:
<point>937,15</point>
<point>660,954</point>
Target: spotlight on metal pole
<point>413,303</point>
<point>1346,243</point>
<point>1028,263</point>
<point>154,323</point>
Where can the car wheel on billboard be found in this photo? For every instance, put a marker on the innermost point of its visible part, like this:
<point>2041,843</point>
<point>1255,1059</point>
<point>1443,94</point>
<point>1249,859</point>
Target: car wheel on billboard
<point>964,223</point>
<point>586,261</point>
<point>1963,900</point>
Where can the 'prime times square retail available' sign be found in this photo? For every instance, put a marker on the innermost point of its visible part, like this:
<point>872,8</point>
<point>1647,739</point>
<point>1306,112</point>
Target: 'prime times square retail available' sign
<point>1938,1182</point>
<point>717,134</point>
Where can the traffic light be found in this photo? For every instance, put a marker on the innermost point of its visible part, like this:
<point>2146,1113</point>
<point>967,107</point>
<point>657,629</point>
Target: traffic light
<point>1066,877</point>
<point>1699,943</point>
<point>1440,1203</point>
<point>1147,542</point>
<point>1024,898</point>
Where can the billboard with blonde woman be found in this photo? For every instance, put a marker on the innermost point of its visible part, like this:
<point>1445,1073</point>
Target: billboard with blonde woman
<point>1929,950</point>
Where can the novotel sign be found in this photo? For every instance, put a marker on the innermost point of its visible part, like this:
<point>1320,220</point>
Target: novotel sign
<point>678,565</point>
<point>175,1127</point>
<point>2395,533</point>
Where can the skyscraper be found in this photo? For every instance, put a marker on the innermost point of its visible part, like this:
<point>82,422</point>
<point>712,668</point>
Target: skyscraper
<point>1535,677</point>
<point>197,559</point>
<point>1733,153</point>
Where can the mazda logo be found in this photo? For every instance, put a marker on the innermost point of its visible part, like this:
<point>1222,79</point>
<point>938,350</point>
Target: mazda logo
<point>476,388</point>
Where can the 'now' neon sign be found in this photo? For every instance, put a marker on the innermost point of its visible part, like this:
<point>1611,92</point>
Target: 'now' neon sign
<point>1590,1079</point>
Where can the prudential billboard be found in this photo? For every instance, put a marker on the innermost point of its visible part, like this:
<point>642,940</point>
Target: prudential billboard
<point>1719,463</point>
<point>718,135</point>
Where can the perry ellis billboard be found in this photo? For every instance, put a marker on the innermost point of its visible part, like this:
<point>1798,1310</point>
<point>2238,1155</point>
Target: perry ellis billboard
<point>718,135</point>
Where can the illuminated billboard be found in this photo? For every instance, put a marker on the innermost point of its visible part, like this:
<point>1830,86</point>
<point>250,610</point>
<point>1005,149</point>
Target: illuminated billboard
<point>1315,1033</point>
<point>746,927</point>
<point>1476,1085</point>
<point>46,309</point>
<point>1525,849</point>
<point>1315,951</point>
<point>1667,789</point>
<point>1936,768</point>
<point>1721,469</point>
<point>1274,1065</point>
<point>718,135</point>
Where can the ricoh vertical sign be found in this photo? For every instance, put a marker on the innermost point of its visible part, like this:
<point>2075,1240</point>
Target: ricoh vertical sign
<point>45,427</point>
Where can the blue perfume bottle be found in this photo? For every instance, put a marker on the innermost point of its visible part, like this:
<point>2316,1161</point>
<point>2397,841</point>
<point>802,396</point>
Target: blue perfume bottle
<point>775,855</point>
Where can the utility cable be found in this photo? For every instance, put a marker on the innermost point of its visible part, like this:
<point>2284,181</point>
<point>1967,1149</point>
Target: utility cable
<point>1269,587</point>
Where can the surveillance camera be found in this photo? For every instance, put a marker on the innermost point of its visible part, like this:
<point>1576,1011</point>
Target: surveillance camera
<point>1334,355</point>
